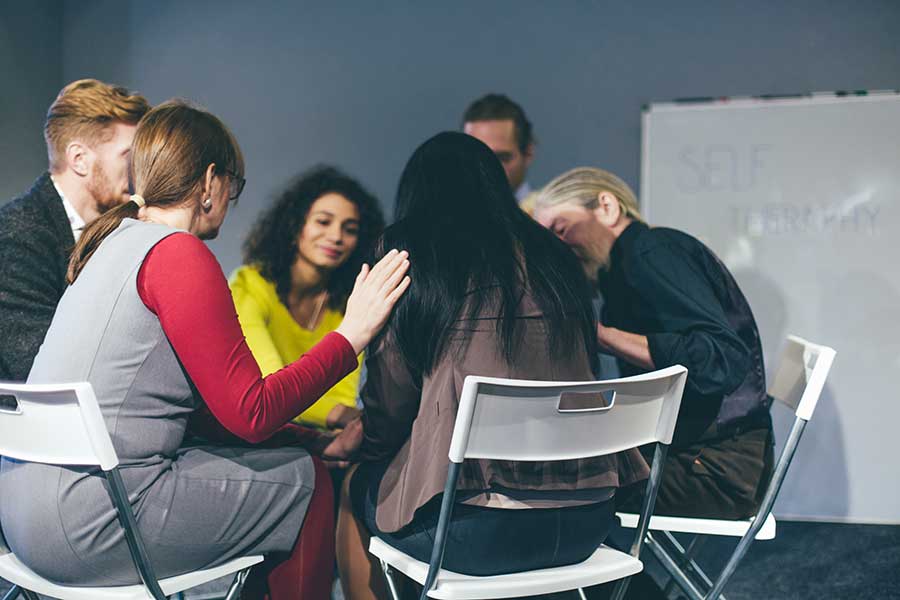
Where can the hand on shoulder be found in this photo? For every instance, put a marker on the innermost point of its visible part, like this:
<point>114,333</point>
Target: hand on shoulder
<point>374,295</point>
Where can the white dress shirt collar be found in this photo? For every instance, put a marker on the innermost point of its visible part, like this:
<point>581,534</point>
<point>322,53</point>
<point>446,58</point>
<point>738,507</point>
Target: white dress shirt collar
<point>523,191</point>
<point>75,221</point>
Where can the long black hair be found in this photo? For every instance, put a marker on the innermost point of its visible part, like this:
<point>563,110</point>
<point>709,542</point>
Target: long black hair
<point>471,246</point>
<point>272,243</point>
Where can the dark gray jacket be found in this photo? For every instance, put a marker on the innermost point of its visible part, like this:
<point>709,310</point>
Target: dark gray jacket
<point>35,243</point>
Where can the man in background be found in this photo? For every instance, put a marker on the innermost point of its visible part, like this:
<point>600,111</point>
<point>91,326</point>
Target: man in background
<point>502,125</point>
<point>88,131</point>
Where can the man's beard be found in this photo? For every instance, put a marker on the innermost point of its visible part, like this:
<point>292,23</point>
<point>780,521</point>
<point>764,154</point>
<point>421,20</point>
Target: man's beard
<point>597,267</point>
<point>101,189</point>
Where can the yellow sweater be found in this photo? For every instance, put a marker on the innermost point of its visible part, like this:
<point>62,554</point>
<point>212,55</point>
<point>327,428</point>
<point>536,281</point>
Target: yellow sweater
<point>276,339</point>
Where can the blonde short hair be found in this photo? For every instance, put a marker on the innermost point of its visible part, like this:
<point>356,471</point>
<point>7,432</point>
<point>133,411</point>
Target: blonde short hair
<point>84,110</point>
<point>582,186</point>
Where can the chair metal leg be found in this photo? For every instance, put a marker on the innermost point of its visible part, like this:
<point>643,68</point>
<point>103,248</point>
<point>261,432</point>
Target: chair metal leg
<point>237,585</point>
<point>698,542</point>
<point>781,467</point>
<point>389,576</point>
<point>440,533</point>
<point>659,456</point>
<point>683,581</point>
<point>620,589</point>
<point>119,496</point>
<point>581,595</point>
<point>670,584</point>
<point>681,559</point>
<point>13,593</point>
<point>685,560</point>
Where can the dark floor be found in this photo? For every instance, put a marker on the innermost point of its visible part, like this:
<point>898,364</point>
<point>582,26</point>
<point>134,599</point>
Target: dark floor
<point>805,561</point>
<point>815,560</point>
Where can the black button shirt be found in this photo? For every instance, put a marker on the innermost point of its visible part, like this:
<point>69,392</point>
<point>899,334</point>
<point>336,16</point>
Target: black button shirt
<point>668,286</point>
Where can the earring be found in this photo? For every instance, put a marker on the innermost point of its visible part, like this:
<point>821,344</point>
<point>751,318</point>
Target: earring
<point>207,204</point>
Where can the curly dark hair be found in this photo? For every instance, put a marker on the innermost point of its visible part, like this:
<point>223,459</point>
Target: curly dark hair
<point>271,245</point>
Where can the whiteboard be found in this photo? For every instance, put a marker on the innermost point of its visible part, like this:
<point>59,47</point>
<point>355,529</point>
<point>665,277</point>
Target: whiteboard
<point>800,198</point>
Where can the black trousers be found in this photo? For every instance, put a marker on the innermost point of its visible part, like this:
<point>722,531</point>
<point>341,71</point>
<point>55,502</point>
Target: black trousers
<point>724,478</point>
<point>490,541</point>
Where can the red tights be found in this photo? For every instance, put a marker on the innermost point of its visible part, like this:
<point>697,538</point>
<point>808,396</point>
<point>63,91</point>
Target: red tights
<point>308,571</point>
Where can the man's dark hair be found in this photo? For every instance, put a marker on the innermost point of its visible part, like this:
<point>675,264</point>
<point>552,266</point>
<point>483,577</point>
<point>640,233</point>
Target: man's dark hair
<point>498,107</point>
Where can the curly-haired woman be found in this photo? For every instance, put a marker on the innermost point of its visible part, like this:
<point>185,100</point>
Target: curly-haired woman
<point>301,259</point>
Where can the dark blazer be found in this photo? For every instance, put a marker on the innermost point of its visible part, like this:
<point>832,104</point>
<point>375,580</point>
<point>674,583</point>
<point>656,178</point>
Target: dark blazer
<point>35,243</point>
<point>411,423</point>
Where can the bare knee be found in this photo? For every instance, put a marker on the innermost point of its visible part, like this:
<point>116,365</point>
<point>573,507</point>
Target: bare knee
<point>345,487</point>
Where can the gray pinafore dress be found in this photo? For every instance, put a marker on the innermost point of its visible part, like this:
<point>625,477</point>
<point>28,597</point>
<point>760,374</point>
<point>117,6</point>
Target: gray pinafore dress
<point>196,506</point>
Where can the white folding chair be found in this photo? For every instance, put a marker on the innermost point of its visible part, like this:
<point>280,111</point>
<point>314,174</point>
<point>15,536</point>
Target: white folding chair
<point>62,425</point>
<point>797,384</point>
<point>503,419</point>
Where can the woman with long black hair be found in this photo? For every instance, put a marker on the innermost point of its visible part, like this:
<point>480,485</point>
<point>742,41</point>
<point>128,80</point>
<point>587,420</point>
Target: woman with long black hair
<point>493,294</point>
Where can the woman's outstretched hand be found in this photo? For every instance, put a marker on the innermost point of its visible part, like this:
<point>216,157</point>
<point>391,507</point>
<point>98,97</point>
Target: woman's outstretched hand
<point>374,295</point>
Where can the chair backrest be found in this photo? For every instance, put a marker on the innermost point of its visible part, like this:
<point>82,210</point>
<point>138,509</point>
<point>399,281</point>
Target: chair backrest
<point>800,375</point>
<point>61,424</point>
<point>507,419</point>
<point>55,424</point>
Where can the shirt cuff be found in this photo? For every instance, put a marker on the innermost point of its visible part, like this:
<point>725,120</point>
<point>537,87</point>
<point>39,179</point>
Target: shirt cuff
<point>663,349</point>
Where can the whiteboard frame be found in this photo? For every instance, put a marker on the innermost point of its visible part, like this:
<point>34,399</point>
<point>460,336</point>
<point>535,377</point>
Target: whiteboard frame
<point>742,102</point>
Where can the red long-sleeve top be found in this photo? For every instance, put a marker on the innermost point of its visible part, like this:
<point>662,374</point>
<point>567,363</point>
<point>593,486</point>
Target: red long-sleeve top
<point>181,282</point>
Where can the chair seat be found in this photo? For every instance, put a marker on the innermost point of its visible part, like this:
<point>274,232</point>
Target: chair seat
<point>702,526</point>
<point>13,570</point>
<point>606,564</point>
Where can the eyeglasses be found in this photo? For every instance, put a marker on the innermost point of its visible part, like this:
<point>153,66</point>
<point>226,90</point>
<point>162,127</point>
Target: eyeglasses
<point>236,185</point>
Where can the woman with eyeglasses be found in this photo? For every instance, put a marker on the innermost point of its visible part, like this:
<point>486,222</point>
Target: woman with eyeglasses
<point>149,321</point>
<point>300,261</point>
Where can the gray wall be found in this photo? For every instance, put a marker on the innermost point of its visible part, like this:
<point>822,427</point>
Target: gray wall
<point>361,84</point>
<point>30,77</point>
